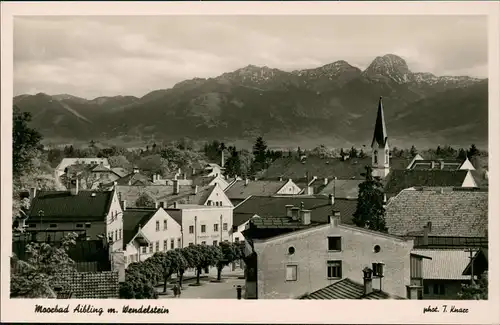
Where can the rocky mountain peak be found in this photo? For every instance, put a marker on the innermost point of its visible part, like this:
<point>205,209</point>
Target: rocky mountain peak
<point>389,66</point>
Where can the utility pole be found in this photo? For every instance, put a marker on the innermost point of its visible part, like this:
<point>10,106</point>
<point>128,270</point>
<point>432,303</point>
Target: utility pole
<point>472,254</point>
<point>195,230</point>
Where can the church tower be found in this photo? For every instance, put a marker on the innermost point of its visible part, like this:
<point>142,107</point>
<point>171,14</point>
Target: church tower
<point>380,145</point>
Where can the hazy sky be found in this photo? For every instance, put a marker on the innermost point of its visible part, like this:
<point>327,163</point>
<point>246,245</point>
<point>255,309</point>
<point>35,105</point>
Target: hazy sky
<point>91,56</point>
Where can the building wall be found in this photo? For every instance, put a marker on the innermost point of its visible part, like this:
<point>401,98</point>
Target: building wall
<point>381,163</point>
<point>206,216</point>
<point>311,256</point>
<point>114,223</point>
<point>173,232</point>
<point>55,229</point>
<point>238,233</point>
<point>290,188</point>
<point>218,195</point>
<point>469,181</point>
<point>451,289</point>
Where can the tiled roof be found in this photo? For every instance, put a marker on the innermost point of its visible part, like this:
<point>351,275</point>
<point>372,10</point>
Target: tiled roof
<point>291,167</point>
<point>92,285</point>
<point>120,171</point>
<point>61,205</point>
<point>279,222</point>
<point>240,190</point>
<point>164,193</point>
<point>398,180</point>
<point>344,188</point>
<point>134,179</point>
<point>101,168</point>
<point>132,218</point>
<point>454,213</point>
<point>347,289</point>
<point>445,264</point>
<point>265,206</point>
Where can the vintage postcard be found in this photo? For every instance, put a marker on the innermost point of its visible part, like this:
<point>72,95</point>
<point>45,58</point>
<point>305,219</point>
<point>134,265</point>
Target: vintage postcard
<point>254,162</point>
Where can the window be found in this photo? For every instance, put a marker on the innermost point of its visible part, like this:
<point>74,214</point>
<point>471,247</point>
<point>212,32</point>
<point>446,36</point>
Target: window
<point>116,234</point>
<point>375,158</point>
<point>144,249</point>
<point>203,228</point>
<point>214,243</point>
<point>291,250</point>
<point>165,225</point>
<point>216,227</point>
<point>334,269</point>
<point>120,233</point>
<point>172,244</point>
<point>157,248</point>
<point>220,203</point>
<point>87,225</point>
<point>334,243</point>
<point>426,289</point>
<point>203,242</point>
<point>224,226</point>
<point>237,239</point>
<point>291,273</point>
<point>376,248</point>
<point>179,242</point>
<point>191,229</point>
<point>53,225</point>
<point>157,226</point>
<point>151,248</point>
<point>79,225</point>
<point>165,245</point>
<point>387,156</point>
<point>209,202</point>
<point>438,288</point>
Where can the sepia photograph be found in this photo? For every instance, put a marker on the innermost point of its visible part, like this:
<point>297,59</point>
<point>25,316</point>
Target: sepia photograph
<point>248,157</point>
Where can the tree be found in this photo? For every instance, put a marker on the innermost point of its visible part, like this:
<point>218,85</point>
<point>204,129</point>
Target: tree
<point>45,268</point>
<point>119,161</point>
<point>475,291</point>
<point>203,256</point>
<point>26,143</point>
<point>145,200</point>
<point>353,153</point>
<point>230,253</point>
<point>233,164</point>
<point>473,151</point>
<point>246,159</point>
<point>438,151</point>
<point>413,151</point>
<point>170,262</point>
<point>259,152</point>
<point>370,209</point>
<point>462,154</point>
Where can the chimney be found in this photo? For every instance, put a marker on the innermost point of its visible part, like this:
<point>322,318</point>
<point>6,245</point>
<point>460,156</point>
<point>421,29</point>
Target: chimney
<point>433,164</point>
<point>222,159</point>
<point>426,236</point>
<point>288,209</point>
<point>162,205</point>
<point>32,192</point>
<point>429,226</point>
<point>331,199</point>
<point>114,184</point>
<point>325,181</point>
<point>195,189</point>
<point>335,218</point>
<point>124,205</point>
<point>175,176</point>
<point>158,177</point>
<point>441,164</point>
<point>367,281</point>
<point>184,176</point>
<point>154,178</point>
<point>295,213</point>
<point>156,205</point>
<point>280,178</point>
<point>74,187</point>
<point>255,178</point>
<point>193,171</point>
<point>310,190</point>
<point>305,217</point>
<point>176,186</point>
<point>136,170</point>
<point>246,181</point>
<point>175,205</point>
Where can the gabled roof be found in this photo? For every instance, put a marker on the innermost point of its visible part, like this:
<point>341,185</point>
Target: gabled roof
<point>241,190</point>
<point>380,132</point>
<point>164,193</point>
<point>61,205</point>
<point>343,188</point>
<point>265,206</point>
<point>347,289</point>
<point>480,263</point>
<point>132,219</point>
<point>454,213</point>
<point>401,179</point>
<point>291,167</point>
<point>445,264</point>
<point>120,171</point>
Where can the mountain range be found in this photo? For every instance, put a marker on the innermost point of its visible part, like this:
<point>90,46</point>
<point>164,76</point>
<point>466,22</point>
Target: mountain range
<point>336,101</point>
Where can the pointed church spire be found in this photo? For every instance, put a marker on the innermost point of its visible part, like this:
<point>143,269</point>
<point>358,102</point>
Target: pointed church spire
<point>380,134</point>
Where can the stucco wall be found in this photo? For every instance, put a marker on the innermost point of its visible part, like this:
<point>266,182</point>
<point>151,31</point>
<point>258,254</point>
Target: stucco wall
<point>311,256</point>
<point>207,216</point>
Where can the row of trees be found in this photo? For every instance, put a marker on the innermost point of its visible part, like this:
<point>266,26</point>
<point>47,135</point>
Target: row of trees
<point>142,277</point>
